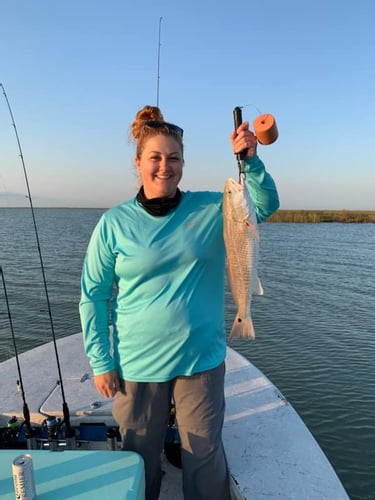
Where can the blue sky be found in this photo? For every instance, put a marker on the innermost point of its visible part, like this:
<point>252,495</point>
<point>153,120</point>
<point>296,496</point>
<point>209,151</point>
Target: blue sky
<point>76,72</point>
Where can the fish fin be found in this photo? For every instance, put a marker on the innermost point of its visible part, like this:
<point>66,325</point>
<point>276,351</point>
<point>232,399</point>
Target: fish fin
<point>242,328</point>
<point>258,288</point>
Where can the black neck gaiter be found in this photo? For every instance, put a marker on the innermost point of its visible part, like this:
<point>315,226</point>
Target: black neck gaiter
<point>158,206</point>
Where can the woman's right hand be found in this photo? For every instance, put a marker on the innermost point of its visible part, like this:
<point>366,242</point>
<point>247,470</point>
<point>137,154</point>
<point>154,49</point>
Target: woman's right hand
<point>107,384</point>
<point>243,139</point>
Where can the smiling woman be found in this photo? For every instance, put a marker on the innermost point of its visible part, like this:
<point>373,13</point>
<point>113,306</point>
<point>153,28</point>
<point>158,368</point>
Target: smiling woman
<point>164,251</point>
<point>160,167</point>
<point>159,157</point>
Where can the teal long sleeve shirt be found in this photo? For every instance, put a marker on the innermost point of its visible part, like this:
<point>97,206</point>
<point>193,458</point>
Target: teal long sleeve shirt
<point>160,282</point>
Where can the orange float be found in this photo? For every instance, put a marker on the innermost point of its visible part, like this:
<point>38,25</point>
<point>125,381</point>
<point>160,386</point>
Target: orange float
<point>265,129</point>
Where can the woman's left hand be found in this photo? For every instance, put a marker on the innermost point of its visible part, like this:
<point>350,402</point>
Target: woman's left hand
<point>244,139</point>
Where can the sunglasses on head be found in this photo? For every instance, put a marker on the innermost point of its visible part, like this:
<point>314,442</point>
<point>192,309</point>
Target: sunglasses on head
<point>168,126</point>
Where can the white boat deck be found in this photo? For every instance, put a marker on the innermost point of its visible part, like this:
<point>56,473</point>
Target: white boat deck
<point>270,451</point>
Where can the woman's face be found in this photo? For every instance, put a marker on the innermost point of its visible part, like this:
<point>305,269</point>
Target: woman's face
<point>160,166</point>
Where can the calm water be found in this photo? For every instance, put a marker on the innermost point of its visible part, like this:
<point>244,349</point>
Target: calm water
<point>315,325</point>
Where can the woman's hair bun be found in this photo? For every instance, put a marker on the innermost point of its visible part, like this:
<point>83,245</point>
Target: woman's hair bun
<point>147,113</point>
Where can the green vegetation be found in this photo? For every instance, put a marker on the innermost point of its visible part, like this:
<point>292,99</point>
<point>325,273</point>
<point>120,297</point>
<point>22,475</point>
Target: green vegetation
<point>318,216</point>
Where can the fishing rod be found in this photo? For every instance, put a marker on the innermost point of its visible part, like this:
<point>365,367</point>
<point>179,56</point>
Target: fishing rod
<point>26,412</point>
<point>68,429</point>
<point>237,115</point>
<point>158,75</point>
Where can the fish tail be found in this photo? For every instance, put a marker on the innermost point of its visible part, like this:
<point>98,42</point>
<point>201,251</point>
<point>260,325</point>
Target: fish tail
<point>242,328</point>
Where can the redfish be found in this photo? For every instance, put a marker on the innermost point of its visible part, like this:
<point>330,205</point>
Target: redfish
<point>241,239</point>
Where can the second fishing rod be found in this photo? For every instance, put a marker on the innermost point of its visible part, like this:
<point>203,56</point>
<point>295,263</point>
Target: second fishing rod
<point>69,432</point>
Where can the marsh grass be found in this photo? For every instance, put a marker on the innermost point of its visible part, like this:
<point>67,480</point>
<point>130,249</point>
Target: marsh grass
<point>319,216</point>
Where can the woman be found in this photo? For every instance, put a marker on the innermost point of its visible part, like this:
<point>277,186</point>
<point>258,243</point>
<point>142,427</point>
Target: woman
<point>155,265</point>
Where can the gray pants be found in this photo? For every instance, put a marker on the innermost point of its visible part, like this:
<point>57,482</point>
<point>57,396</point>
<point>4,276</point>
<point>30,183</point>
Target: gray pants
<point>142,412</point>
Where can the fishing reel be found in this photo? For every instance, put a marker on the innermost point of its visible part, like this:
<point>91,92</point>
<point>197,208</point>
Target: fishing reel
<point>60,434</point>
<point>12,436</point>
<point>52,425</point>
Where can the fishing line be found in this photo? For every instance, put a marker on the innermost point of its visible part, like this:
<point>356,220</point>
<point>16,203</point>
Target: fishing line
<point>251,106</point>
<point>68,428</point>
<point>26,412</point>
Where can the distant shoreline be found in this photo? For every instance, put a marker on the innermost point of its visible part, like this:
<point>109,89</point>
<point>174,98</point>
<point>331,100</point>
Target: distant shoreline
<point>293,216</point>
<point>324,216</point>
